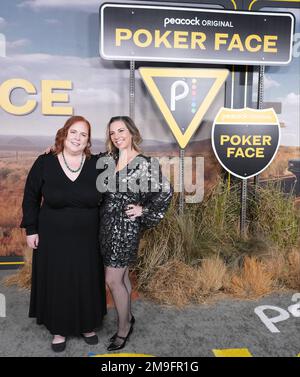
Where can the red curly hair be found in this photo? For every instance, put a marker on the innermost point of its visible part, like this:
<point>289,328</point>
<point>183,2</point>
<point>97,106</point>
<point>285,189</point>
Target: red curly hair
<point>62,133</point>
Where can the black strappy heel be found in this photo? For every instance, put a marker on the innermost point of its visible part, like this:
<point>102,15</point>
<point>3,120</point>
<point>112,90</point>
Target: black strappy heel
<point>132,322</point>
<point>113,346</point>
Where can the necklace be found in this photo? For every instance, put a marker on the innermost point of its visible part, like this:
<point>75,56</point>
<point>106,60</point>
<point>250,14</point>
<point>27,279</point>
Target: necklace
<point>68,167</point>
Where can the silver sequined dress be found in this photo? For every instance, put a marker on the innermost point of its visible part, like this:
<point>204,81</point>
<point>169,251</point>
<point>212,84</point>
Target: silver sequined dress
<point>140,182</point>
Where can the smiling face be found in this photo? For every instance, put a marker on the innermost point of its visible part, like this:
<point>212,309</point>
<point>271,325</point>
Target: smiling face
<point>77,137</point>
<point>120,136</point>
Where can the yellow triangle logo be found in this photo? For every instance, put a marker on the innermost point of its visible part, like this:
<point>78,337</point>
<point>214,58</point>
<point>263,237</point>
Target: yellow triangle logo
<point>183,77</point>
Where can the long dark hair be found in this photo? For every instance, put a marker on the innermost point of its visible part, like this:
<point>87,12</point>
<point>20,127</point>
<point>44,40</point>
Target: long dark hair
<point>132,128</point>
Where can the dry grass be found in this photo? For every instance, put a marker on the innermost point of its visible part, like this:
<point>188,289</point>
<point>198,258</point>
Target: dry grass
<point>176,283</point>
<point>275,217</point>
<point>293,270</point>
<point>160,245</point>
<point>169,284</point>
<point>199,254</point>
<point>191,257</point>
<point>179,284</point>
<point>252,281</point>
<point>22,278</point>
<point>13,175</point>
<point>211,275</point>
<point>276,265</point>
<point>15,241</point>
<point>10,209</point>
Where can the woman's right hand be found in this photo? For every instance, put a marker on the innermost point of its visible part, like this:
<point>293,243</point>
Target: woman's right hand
<point>32,241</point>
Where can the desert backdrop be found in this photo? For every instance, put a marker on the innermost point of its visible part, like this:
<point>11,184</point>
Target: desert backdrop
<point>17,154</point>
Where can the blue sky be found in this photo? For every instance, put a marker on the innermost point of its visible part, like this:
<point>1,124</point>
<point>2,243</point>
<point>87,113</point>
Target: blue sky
<point>283,85</point>
<point>62,30</point>
<point>58,39</point>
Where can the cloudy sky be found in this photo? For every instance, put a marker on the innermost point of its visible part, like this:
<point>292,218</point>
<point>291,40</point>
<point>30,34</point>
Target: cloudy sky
<point>58,39</point>
<point>282,84</point>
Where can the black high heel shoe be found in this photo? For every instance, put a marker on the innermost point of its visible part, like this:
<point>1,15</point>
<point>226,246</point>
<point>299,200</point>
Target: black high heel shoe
<point>114,347</point>
<point>132,322</point>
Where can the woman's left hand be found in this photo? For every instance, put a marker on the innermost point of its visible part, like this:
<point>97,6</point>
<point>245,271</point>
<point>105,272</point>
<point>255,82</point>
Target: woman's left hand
<point>133,211</point>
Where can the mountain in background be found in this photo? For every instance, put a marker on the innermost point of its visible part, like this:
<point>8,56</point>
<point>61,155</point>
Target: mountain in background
<point>19,141</point>
<point>40,143</point>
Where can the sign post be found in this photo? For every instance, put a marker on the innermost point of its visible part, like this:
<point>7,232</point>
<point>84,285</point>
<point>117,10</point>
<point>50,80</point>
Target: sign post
<point>132,90</point>
<point>260,100</point>
<point>183,96</point>
<point>245,142</point>
<point>139,32</point>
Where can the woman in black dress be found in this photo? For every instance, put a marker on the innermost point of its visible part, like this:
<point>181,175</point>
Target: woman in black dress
<point>61,217</point>
<point>135,196</point>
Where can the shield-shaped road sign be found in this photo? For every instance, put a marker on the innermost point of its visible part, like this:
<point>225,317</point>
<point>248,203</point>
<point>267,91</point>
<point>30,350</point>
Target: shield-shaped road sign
<point>245,141</point>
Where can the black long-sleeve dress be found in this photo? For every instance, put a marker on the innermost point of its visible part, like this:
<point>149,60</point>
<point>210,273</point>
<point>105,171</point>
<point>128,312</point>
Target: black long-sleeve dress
<point>68,288</point>
<point>140,182</point>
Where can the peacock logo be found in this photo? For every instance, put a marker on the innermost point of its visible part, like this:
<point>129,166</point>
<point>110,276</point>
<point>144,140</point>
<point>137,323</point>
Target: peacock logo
<point>183,96</point>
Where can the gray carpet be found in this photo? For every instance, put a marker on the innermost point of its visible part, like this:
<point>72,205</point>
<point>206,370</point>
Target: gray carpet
<point>159,330</point>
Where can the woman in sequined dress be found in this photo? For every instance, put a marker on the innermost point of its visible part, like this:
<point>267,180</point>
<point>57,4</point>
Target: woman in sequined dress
<point>135,196</point>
